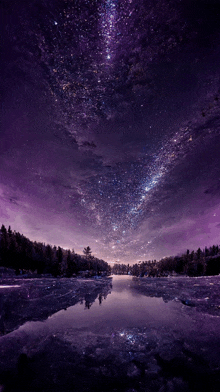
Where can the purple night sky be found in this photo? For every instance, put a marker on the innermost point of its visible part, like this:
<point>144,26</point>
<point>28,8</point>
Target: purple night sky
<point>110,130</point>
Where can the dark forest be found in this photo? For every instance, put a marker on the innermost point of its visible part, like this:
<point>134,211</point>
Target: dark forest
<point>25,256</point>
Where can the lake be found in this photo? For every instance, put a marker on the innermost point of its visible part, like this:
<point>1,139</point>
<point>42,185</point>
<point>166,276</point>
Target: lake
<point>122,308</point>
<point>120,341</point>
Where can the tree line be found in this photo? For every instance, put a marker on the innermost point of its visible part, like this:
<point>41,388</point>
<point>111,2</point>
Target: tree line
<point>23,255</point>
<point>199,263</point>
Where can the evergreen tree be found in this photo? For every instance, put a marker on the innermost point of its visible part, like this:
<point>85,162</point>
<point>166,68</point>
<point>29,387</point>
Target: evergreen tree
<point>198,253</point>
<point>71,264</point>
<point>87,252</point>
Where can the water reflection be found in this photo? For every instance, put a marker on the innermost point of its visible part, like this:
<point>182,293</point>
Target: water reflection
<point>121,308</point>
<point>38,299</point>
<point>100,299</point>
<point>121,338</point>
<point>91,298</point>
<point>114,306</point>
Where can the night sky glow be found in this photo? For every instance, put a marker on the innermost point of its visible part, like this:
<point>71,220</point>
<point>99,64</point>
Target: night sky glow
<point>111,125</point>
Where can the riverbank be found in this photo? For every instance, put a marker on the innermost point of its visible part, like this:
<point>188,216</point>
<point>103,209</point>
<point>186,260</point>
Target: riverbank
<point>36,299</point>
<point>203,292</point>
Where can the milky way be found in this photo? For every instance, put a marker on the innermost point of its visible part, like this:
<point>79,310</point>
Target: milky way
<point>110,133</point>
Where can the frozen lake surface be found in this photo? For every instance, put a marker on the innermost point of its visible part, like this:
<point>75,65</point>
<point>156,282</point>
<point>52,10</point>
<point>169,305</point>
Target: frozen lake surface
<point>138,335</point>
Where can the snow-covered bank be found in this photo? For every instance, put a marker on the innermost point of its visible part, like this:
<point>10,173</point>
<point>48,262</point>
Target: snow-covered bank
<point>37,299</point>
<point>203,292</point>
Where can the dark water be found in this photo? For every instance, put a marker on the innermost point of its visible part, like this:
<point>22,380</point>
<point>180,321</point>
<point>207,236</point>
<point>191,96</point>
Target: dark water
<point>122,341</point>
<point>122,308</point>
